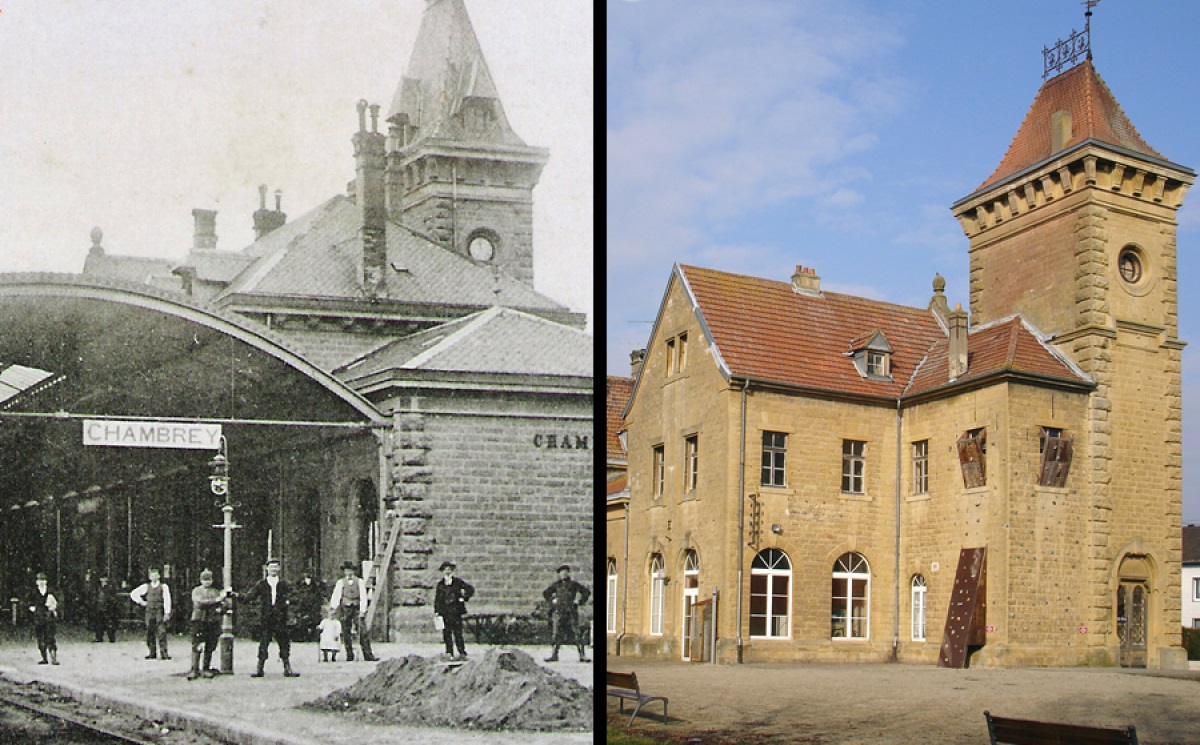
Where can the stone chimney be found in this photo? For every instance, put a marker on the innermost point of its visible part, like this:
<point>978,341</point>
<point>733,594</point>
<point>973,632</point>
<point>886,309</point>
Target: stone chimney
<point>636,358</point>
<point>266,220</point>
<point>938,303</point>
<point>369,195</point>
<point>806,281</point>
<point>958,342</point>
<point>205,237</point>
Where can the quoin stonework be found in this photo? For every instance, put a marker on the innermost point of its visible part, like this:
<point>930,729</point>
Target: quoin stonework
<point>819,477</point>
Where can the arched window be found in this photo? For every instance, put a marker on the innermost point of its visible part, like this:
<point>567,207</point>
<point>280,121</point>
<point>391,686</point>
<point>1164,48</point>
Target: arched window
<point>770,594</point>
<point>918,608</point>
<point>851,591</point>
<point>691,595</point>
<point>612,595</point>
<point>658,583</point>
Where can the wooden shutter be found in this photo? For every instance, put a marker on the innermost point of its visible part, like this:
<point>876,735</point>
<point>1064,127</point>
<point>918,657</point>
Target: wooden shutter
<point>1056,461</point>
<point>966,617</point>
<point>970,457</point>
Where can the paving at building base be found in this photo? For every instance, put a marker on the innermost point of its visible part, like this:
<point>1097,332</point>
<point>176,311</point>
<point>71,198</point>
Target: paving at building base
<point>857,704</point>
<point>253,711</point>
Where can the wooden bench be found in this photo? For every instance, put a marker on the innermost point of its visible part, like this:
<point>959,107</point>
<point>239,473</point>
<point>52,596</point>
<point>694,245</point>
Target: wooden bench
<point>1029,732</point>
<point>625,686</point>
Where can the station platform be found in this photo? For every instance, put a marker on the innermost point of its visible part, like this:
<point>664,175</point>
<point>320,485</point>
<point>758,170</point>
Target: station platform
<point>242,709</point>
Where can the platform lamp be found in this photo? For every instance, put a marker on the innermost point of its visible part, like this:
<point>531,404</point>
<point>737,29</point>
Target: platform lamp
<point>219,484</point>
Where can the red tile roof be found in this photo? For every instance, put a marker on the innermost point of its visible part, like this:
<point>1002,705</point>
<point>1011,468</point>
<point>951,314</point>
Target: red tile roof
<point>617,485</point>
<point>619,390</point>
<point>764,330</point>
<point>1095,114</point>
<point>1004,345</point>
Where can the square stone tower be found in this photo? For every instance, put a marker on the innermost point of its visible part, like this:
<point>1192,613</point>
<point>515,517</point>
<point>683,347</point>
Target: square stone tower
<point>1075,230</point>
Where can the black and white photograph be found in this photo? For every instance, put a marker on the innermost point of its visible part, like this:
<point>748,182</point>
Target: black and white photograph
<point>296,372</point>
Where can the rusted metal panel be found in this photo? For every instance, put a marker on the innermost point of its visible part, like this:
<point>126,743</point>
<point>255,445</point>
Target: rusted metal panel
<point>966,618</point>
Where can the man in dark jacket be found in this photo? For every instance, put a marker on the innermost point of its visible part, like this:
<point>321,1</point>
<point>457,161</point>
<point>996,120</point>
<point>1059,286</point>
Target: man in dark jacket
<point>565,596</point>
<point>44,607</point>
<point>273,595</point>
<point>450,605</point>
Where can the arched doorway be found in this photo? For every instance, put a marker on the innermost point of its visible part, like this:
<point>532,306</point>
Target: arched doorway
<point>1133,610</point>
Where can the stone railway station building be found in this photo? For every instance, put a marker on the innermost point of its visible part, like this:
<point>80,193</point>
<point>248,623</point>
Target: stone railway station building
<point>863,481</point>
<point>392,388</point>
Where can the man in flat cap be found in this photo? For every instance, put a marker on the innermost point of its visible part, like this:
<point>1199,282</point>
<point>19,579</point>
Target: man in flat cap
<point>273,595</point>
<point>349,601</point>
<point>565,596</point>
<point>450,605</point>
<point>207,605</point>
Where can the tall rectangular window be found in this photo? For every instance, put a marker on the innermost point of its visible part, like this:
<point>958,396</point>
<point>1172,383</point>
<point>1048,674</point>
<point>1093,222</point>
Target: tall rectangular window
<point>774,458</point>
<point>658,471</point>
<point>1196,588</point>
<point>612,595</point>
<point>691,462</point>
<point>920,454</point>
<point>853,466</point>
<point>1055,448</point>
<point>681,354</point>
<point>670,356</point>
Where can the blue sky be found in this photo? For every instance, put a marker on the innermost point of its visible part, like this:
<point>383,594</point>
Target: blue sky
<point>755,135</point>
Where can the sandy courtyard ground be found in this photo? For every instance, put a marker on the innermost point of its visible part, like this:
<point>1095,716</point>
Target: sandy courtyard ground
<point>860,704</point>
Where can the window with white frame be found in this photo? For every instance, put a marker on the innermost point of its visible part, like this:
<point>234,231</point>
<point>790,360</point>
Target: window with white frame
<point>658,585</point>
<point>853,466</point>
<point>691,461</point>
<point>1196,588</point>
<point>877,363</point>
<point>774,458</point>
<point>920,462</point>
<point>851,592</point>
<point>770,594</point>
<point>612,595</point>
<point>658,471</point>
<point>918,608</point>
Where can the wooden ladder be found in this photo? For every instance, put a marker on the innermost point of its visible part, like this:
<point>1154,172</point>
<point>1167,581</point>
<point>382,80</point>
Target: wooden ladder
<point>379,571</point>
<point>966,619</point>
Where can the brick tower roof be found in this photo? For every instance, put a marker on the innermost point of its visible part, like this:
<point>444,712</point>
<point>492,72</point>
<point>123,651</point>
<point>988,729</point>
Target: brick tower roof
<point>1095,115</point>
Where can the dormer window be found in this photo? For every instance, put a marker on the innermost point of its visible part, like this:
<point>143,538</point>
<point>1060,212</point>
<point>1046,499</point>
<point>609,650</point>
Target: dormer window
<point>872,355</point>
<point>877,364</point>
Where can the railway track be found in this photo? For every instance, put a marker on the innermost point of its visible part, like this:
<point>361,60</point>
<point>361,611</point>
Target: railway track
<point>32,713</point>
<point>96,732</point>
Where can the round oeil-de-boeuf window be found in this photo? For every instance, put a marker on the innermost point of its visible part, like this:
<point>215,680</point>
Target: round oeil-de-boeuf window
<point>1130,265</point>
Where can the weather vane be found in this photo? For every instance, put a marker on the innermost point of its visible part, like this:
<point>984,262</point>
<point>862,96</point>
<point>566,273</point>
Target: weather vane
<point>1069,51</point>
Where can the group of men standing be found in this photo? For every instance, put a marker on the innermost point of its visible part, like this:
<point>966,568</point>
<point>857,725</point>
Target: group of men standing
<point>273,599</point>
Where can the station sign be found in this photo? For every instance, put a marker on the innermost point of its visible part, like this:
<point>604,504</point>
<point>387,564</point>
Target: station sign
<point>146,434</point>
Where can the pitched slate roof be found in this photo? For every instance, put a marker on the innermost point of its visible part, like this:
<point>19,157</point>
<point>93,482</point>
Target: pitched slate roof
<point>138,269</point>
<point>318,254</point>
<point>446,67</point>
<point>497,340</point>
<point>1191,544</point>
<point>763,330</point>
<point>1095,114</point>
<point>618,391</point>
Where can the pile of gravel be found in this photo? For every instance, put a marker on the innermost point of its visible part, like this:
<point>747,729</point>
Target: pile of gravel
<point>503,689</point>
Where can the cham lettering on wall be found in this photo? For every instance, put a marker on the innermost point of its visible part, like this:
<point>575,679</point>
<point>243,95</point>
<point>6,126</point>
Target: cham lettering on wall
<point>184,435</point>
<point>560,442</point>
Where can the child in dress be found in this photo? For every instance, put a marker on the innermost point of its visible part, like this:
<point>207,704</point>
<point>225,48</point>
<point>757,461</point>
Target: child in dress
<point>331,632</point>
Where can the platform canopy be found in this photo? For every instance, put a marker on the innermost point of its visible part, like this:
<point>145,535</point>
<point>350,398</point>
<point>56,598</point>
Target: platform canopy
<point>74,347</point>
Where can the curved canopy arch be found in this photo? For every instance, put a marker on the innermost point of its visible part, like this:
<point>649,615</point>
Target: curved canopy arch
<point>111,337</point>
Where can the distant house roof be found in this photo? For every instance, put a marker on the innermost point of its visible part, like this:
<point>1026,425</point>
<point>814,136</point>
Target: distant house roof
<point>1094,114</point>
<point>497,340</point>
<point>1191,544</point>
<point>140,269</point>
<point>618,391</point>
<point>762,329</point>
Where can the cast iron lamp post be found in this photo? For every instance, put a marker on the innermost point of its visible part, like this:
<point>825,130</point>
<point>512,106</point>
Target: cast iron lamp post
<point>219,483</point>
